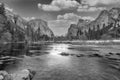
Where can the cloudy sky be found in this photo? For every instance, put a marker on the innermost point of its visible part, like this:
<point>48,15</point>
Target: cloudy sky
<point>60,13</point>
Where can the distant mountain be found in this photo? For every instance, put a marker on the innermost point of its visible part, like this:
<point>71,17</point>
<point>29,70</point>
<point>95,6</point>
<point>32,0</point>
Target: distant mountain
<point>72,31</point>
<point>39,30</point>
<point>14,28</point>
<point>105,26</point>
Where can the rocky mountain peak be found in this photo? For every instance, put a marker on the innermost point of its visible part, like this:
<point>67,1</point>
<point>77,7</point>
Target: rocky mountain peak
<point>103,14</point>
<point>115,13</point>
<point>41,27</point>
<point>103,18</point>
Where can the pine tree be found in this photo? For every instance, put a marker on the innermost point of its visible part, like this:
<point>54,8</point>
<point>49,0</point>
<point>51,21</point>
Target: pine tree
<point>93,33</point>
<point>79,33</point>
<point>86,34</point>
<point>89,33</point>
<point>98,32</point>
<point>103,30</point>
<point>38,33</point>
<point>15,19</point>
<point>2,9</point>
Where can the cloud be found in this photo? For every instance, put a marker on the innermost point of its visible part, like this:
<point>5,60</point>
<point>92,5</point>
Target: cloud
<point>95,2</point>
<point>90,8</point>
<point>68,16</point>
<point>73,17</point>
<point>88,18</point>
<point>86,5</point>
<point>57,5</point>
<point>28,18</point>
<point>48,7</point>
<point>60,23</point>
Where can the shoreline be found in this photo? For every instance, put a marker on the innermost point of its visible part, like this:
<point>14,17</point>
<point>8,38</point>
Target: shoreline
<point>67,41</point>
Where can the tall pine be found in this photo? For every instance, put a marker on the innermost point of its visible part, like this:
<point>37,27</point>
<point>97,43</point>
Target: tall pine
<point>2,9</point>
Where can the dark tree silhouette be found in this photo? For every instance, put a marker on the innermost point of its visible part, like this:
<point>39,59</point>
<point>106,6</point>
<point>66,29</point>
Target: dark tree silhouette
<point>2,9</point>
<point>98,32</point>
<point>79,33</point>
<point>15,19</point>
<point>89,33</point>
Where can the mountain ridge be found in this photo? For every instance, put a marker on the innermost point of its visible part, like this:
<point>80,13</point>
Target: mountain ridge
<point>103,25</point>
<point>14,28</point>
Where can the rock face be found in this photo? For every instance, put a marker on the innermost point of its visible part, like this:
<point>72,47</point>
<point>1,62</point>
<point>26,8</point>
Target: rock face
<point>105,26</point>
<point>14,28</point>
<point>25,74</point>
<point>72,31</point>
<point>75,31</point>
<point>39,30</point>
<point>9,31</point>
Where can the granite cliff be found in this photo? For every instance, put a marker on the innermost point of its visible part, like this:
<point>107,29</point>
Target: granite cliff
<point>14,28</point>
<point>105,26</point>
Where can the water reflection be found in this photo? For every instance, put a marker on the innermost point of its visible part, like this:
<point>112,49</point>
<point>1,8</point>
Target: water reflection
<point>54,57</point>
<point>58,48</point>
<point>13,49</point>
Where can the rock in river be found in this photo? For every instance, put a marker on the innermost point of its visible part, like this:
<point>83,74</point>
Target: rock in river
<point>25,74</point>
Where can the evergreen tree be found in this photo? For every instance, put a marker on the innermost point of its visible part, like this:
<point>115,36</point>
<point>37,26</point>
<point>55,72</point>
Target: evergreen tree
<point>86,34</point>
<point>2,9</point>
<point>98,32</point>
<point>93,33</point>
<point>79,33</point>
<point>89,33</point>
<point>15,19</point>
<point>103,30</point>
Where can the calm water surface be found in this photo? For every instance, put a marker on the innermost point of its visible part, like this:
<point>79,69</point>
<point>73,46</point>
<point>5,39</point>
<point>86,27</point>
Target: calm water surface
<point>46,60</point>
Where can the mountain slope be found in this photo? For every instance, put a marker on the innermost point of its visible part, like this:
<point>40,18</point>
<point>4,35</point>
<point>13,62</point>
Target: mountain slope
<point>39,28</point>
<point>105,26</point>
<point>14,28</point>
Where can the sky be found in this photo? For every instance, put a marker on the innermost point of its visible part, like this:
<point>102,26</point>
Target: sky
<point>60,13</point>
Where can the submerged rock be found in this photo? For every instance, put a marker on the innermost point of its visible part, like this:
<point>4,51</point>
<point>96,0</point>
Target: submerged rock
<point>5,76</point>
<point>115,57</point>
<point>110,53</point>
<point>80,55</point>
<point>25,74</point>
<point>1,77</point>
<point>118,54</point>
<point>64,54</point>
<point>95,55</point>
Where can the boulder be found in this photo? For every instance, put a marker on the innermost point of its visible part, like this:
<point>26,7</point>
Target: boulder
<point>5,76</point>
<point>25,74</point>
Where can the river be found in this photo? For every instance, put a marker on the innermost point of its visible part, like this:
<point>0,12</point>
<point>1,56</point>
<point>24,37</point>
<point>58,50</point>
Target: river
<point>46,60</point>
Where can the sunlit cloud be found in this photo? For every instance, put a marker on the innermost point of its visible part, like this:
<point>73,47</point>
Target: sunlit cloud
<point>57,5</point>
<point>95,2</point>
<point>73,17</point>
<point>28,18</point>
<point>86,5</point>
<point>90,9</point>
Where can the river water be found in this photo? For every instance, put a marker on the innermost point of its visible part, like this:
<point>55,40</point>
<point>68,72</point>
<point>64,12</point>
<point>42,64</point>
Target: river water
<point>46,60</point>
